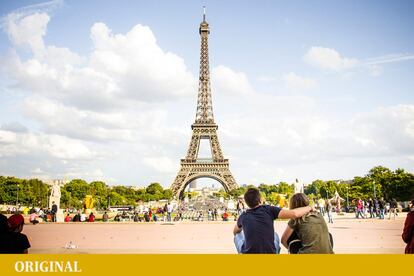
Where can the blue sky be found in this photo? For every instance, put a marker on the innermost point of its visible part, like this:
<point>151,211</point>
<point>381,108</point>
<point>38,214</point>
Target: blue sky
<point>301,89</point>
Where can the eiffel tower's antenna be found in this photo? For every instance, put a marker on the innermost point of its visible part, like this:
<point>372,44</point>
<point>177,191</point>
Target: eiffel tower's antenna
<point>204,113</point>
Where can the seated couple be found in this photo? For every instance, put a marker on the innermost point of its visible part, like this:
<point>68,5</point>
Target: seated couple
<point>307,229</point>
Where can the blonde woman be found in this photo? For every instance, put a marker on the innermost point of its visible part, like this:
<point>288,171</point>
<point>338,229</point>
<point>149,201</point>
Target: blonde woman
<point>310,231</point>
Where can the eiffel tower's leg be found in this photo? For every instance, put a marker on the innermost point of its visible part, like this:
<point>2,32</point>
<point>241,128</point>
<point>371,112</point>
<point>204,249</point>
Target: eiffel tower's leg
<point>193,148</point>
<point>215,147</point>
<point>229,183</point>
<point>180,181</point>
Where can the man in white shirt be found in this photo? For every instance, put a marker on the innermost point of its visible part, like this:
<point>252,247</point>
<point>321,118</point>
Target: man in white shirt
<point>169,211</point>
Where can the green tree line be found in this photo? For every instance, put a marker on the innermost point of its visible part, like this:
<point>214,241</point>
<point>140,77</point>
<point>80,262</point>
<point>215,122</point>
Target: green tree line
<point>34,192</point>
<point>380,181</point>
<point>388,184</point>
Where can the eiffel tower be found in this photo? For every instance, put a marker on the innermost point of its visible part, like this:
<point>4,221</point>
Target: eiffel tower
<point>204,127</point>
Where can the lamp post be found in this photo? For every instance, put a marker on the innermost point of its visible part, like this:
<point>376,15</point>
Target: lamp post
<point>347,201</point>
<point>375,193</point>
<point>17,197</point>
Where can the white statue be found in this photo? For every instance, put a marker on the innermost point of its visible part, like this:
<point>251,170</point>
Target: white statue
<point>55,190</point>
<point>298,187</point>
<point>55,195</point>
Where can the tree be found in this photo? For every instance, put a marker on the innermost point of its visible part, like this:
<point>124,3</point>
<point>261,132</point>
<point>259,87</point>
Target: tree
<point>155,188</point>
<point>285,188</point>
<point>168,194</point>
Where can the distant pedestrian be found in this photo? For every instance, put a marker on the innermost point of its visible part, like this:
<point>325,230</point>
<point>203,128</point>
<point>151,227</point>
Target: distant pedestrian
<point>210,214</point>
<point>381,206</point>
<point>393,208</point>
<point>328,207</point>
<point>408,232</point>
<point>54,211</point>
<point>360,209</point>
<point>370,207</point>
<point>169,211</point>
<point>240,207</point>
<point>321,203</point>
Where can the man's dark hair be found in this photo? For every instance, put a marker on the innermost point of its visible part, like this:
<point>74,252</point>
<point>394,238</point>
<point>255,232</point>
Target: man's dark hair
<point>252,197</point>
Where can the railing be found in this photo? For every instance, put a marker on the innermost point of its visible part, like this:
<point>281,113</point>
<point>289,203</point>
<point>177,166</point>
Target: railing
<point>204,160</point>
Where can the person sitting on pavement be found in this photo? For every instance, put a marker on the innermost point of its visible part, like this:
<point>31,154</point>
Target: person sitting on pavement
<point>91,217</point>
<point>12,241</point>
<point>254,231</point>
<point>105,217</point>
<point>33,218</point>
<point>310,229</point>
<point>67,218</point>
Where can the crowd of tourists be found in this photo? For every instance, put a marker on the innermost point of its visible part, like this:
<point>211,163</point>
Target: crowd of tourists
<point>376,208</point>
<point>306,231</point>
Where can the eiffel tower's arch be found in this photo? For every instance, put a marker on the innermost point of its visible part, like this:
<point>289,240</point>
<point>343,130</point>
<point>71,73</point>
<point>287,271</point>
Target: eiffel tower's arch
<point>204,127</point>
<point>202,175</point>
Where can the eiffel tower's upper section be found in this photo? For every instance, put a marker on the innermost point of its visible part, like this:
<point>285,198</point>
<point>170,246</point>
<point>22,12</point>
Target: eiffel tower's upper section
<point>204,114</point>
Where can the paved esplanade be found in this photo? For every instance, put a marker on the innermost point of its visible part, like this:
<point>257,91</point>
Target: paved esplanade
<point>350,236</point>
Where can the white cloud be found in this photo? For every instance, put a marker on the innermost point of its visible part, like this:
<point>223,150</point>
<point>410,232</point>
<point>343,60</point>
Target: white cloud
<point>162,164</point>
<point>121,69</point>
<point>328,59</point>
<point>27,30</point>
<point>226,80</point>
<point>388,59</point>
<point>375,70</point>
<point>12,143</point>
<point>296,82</point>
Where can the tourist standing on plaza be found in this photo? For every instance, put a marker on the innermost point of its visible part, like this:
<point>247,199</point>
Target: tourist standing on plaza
<point>210,214</point>
<point>311,229</point>
<point>360,209</point>
<point>321,203</point>
<point>376,207</point>
<point>328,207</point>
<point>215,213</point>
<point>393,208</point>
<point>408,232</point>
<point>381,207</point>
<point>254,231</point>
<point>164,212</point>
<point>54,211</point>
<point>169,211</point>
<point>12,241</point>
<point>240,207</point>
<point>370,208</point>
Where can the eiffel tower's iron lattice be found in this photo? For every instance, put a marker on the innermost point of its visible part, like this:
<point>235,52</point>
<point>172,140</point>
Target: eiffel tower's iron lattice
<point>204,127</point>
